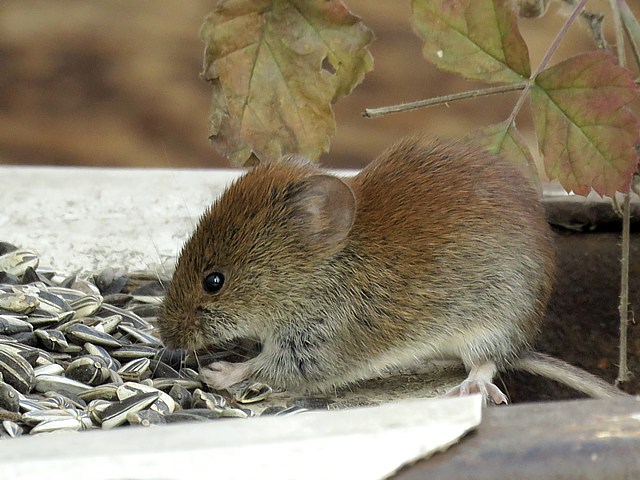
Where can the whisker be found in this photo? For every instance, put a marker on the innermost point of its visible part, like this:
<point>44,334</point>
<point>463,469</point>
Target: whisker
<point>159,355</point>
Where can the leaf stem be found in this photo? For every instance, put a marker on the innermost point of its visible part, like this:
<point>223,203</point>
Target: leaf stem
<point>594,22</point>
<point>617,25</point>
<point>547,58</point>
<point>430,102</point>
<point>556,41</point>
<point>632,29</point>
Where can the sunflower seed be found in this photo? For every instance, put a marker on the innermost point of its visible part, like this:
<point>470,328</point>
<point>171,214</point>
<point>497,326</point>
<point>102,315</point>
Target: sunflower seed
<point>161,369</point>
<point>32,276</point>
<point>17,261</point>
<point>52,339</point>
<point>57,424</point>
<point>135,369</point>
<point>68,294</point>
<point>49,369</point>
<point>127,316</point>
<point>115,378</point>
<point>45,383</point>
<point>89,369</point>
<point>11,324</point>
<point>67,400</point>
<point>116,413</point>
<point>237,413</point>
<point>9,398</point>
<point>256,392</point>
<point>52,303</point>
<point>146,418</point>
<point>40,318</point>
<point>294,410</point>
<point>208,400</point>
<point>181,396</point>
<point>9,279</point>
<point>26,338</point>
<point>189,374</point>
<point>164,404</point>
<point>110,280</point>
<point>81,285</point>
<point>18,302</point>
<point>193,414</point>
<point>99,351</point>
<point>117,299</point>
<point>36,416</point>
<point>108,391</point>
<point>12,429</point>
<point>129,352</point>
<point>96,408</point>
<point>82,333</point>
<point>167,383</point>
<point>139,335</point>
<point>86,306</point>
<point>16,371</point>
<point>109,324</point>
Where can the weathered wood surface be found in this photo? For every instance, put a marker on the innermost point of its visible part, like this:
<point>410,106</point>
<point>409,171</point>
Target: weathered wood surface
<point>580,439</point>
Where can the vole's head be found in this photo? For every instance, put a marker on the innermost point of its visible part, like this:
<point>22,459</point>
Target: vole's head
<point>249,266</point>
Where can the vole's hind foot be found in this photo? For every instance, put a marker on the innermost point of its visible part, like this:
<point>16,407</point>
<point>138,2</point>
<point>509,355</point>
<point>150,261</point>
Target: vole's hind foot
<point>480,380</point>
<point>219,375</point>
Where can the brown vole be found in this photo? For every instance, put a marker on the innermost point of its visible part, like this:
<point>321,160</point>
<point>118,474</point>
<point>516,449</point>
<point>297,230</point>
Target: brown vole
<point>435,250</point>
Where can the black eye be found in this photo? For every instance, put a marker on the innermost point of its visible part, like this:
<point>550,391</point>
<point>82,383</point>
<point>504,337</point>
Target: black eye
<point>213,282</point>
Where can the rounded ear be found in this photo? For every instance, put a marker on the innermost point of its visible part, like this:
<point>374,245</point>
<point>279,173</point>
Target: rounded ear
<point>325,208</point>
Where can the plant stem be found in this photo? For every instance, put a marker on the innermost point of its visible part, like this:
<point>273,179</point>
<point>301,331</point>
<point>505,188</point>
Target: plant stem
<point>617,24</point>
<point>623,369</point>
<point>623,308</point>
<point>594,22</point>
<point>632,29</point>
<point>430,102</point>
<point>546,59</point>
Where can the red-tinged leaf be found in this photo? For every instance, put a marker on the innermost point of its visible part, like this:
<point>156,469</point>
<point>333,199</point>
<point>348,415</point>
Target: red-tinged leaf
<point>585,131</point>
<point>478,39</point>
<point>503,139</point>
<point>275,67</point>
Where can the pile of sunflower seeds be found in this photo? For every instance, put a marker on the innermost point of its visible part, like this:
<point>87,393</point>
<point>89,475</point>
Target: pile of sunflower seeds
<point>81,353</point>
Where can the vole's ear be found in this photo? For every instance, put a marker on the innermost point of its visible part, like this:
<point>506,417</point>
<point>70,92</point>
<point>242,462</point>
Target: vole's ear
<point>324,208</point>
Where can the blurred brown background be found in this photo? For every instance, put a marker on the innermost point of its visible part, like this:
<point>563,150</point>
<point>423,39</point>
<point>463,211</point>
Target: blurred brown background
<point>115,83</point>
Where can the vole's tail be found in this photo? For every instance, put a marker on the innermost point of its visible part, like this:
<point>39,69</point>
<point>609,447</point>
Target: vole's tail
<point>565,373</point>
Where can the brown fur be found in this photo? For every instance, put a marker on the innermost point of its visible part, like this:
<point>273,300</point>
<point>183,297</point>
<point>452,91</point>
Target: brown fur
<point>449,255</point>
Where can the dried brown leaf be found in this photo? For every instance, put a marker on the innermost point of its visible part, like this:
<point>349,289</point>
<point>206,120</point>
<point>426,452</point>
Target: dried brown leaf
<point>275,67</point>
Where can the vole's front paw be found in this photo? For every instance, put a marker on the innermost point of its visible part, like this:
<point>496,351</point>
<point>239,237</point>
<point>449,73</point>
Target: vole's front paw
<point>219,375</point>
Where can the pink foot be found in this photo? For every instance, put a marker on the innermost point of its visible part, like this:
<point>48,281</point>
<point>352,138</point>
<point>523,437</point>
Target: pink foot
<point>219,375</point>
<point>480,380</point>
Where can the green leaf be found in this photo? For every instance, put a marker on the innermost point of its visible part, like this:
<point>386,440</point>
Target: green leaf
<point>585,131</point>
<point>503,139</point>
<point>275,67</point>
<point>478,39</point>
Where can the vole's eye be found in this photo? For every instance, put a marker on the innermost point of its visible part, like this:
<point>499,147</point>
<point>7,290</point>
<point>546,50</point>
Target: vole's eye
<point>213,282</point>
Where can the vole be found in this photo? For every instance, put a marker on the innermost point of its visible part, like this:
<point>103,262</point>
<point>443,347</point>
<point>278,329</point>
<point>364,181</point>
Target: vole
<point>436,249</point>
